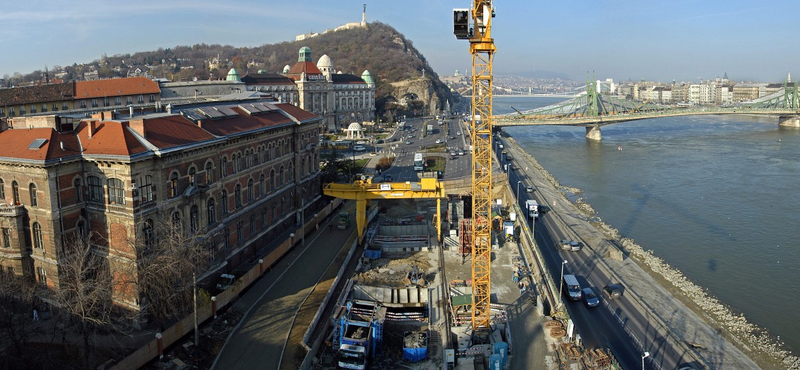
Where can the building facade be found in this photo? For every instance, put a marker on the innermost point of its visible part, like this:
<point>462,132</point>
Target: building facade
<point>237,174</point>
<point>339,98</point>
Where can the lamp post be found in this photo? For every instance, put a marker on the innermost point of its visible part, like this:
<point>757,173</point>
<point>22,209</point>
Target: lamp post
<point>644,356</point>
<point>517,196</point>
<point>561,284</point>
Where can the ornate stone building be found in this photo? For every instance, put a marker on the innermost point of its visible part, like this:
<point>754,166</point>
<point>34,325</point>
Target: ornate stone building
<point>238,174</point>
<point>339,98</point>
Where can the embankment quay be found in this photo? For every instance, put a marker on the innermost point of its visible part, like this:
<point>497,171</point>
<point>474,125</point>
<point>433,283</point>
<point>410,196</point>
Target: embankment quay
<point>661,312</point>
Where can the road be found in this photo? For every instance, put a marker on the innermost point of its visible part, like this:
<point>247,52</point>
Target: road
<point>622,325</point>
<point>275,299</point>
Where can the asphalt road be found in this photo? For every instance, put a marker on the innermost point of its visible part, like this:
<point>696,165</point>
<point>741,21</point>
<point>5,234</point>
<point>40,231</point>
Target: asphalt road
<point>276,298</point>
<point>621,325</point>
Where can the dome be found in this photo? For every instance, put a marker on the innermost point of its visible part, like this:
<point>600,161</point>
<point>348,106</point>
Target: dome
<point>355,126</point>
<point>325,62</point>
<point>233,76</point>
<point>305,54</point>
<point>286,69</point>
<point>367,77</point>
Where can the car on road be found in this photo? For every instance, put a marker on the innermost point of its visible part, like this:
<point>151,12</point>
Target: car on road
<point>529,189</point>
<point>612,291</point>
<point>570,245</point>
<point>460,152</point>
<point>408,142</point>
<point>361,142</point>
<point>438,141</point>
<point>453,153</point>
<point>590,298</point>
<point>360,148</point>
<point>452,137</point>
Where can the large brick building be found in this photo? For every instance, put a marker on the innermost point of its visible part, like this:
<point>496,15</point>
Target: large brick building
<point>236,173</point>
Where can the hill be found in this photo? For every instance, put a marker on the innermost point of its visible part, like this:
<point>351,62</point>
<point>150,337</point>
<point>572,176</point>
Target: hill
<point>396,66</point>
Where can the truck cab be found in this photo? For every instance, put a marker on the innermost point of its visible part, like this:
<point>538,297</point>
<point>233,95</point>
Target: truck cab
<point>532,208</point>
<point>343,221</point>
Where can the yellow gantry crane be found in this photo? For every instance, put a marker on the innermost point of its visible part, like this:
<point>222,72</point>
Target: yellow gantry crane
<point>475,25</point>
<point>363,190</point>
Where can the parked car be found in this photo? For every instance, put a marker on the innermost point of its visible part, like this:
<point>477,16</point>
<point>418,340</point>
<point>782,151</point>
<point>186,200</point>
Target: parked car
<point>612,291</point>
<point>408,142</point>
<point>360,148</point>
<point>438,141</point>
<point>225,281</point>
<point>361,142</point>
<point>590,298</point>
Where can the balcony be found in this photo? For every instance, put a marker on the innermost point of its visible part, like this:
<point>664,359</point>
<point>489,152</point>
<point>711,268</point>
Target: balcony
<point>11,210</point>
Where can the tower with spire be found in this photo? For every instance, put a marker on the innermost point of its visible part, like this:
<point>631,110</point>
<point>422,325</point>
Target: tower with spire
<point>364,17</point>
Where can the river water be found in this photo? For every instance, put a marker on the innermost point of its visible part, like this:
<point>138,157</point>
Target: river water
<point>717,197</point>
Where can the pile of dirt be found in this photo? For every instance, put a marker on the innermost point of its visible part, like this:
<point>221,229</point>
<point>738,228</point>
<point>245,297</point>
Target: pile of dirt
<point>414,269</point>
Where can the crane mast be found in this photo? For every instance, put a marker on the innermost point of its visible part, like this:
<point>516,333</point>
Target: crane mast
<point>475,25</point>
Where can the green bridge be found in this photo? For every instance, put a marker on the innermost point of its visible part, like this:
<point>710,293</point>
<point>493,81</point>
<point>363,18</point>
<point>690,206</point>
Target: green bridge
<point>593,110</point>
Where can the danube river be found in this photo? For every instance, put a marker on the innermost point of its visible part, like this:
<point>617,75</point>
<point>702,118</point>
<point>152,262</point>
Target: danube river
<point>717,197</point>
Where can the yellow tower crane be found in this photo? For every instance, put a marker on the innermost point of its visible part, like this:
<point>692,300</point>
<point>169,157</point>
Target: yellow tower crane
<point>363,190</point>
<point>475,25</point>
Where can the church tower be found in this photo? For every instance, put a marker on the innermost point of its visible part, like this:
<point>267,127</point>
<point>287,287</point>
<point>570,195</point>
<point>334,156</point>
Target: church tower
<point>364,17</point>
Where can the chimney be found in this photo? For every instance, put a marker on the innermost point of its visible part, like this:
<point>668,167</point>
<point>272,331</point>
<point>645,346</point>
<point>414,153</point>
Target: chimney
<point>91,128</point>
<point>131,110</point>
<point>61,143</point>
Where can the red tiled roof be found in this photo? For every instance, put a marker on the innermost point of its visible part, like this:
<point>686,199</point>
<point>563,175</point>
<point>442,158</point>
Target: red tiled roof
<point>170,131</point>
<point>15,143</point>
<point>296,112</point>
<point>308,67</point>
<point>115,87</point>
<point>109,138</point>
<point>243,122</point>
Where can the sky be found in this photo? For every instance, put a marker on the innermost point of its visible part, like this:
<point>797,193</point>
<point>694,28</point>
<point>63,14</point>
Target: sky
<point>620,39</point>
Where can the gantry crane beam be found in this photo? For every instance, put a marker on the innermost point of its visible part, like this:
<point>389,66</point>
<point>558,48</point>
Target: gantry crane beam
<point>476,26</point>
<point>362,191</point>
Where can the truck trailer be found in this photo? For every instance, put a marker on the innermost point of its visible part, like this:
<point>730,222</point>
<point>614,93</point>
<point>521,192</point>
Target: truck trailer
<point>532,208</point>
<point>359,334</point>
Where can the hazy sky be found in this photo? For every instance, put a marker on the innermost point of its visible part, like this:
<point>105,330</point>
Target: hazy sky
<point>620,39</point>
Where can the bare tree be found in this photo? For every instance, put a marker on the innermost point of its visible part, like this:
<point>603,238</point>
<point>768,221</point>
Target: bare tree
<point>167,268</point>
<point>18,299</point>
<point>85,290</point>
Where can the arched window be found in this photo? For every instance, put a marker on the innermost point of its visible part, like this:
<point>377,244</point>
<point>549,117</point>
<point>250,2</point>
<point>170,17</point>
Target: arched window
<point>32,192</point>
<point>250,191</point>
<point>177,221</point>
<point>194,221</point>
<point>291,171</point>
<point>38,242</point>
<point>241,160</point>
<point>237,195</point>
<point>149,237</point>
<point>173,185</point>
<point>283,176</point>
<point>262,183</point>
<point>116,191</point>
<point>78,190</point>
<point>2,190</point>
<point>274,179</point>
<point>210,212</point>
<point>224,199</point>
<point>192,173</point>
<point>15,190</point>
<point>223,167</point>
<point>209,173</point>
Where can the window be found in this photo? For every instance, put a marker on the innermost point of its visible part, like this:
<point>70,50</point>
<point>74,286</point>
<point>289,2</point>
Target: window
<point>191,176</point>
<point>105,102</point>
<point>173,185</point>
<point>15,191</point>
<point>264,217</point>
<point>224,199</point>
<point>94,103</point>
<point>117,101</point>
<point>223,167</point>
<point>237,196</point>
<point>116,191</point>
<point>149,237</point>
<point>227,237</point>
<point>262,185</point>
<point>209,174</point>
<point>6,237</point>
<point>11,112</point>
<point>146,188</point>
<point>177,222</point>
<point>64,106</point>
<point>55,107</point>
<point>252,225</point>
<point>32,191</point>
<point>210,212</point>
<point>152,98</point>
<point>37,236</point>
<point>95,189</point>
<point>250,189</point>
<point>239,232</point>
<point>2,190</point>
<point>78,190</point>
<point>42,274</point>
<point>194,222</point>
<point>21,110</point>
<point>82,231</point>
<point>140,99</point>
<point>129,100</point>
<point>274,179</point>
<point>283,176</point>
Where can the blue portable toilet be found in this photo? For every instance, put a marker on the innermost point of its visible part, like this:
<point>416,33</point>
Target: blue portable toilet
<point>495,362</point>
<point>501,349</point>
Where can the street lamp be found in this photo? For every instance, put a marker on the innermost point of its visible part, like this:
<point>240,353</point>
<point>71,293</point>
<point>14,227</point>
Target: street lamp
<point>644,356</point>
<point>561,284</point>
<point>517,196</point>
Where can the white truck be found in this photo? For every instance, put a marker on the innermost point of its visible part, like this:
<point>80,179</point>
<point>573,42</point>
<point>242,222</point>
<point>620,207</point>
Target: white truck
<point>532,208</point>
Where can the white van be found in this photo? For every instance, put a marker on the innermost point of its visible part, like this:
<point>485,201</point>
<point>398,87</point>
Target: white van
<point>572,287</point>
